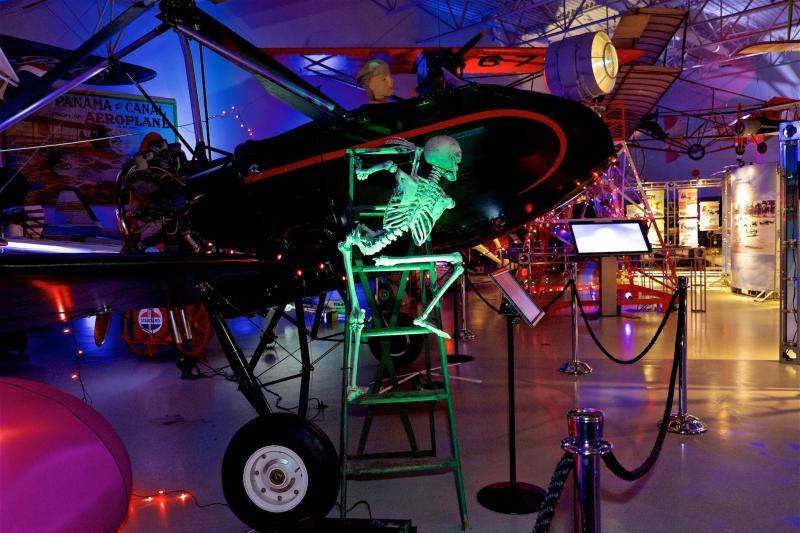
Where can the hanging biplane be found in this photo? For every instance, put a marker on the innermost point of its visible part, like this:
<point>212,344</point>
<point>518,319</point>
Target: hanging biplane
<point>713,130</point>
<point>282,205</point>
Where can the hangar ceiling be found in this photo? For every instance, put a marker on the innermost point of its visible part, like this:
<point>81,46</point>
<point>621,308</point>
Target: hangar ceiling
<point>715,30</point>
<point>702,50</point>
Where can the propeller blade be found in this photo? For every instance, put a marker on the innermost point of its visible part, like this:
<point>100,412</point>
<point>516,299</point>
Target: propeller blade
<point>458,57</point>
<point>450,64</point>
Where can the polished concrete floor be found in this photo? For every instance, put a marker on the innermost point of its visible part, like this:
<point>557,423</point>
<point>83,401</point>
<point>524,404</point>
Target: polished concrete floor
<point>743,475</point>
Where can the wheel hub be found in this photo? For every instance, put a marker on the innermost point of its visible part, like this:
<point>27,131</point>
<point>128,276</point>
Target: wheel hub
<point>275,478</point>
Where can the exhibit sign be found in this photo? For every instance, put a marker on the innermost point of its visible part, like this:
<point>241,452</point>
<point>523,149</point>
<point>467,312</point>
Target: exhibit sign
<point>753,254</point>
<point>709,216</point>
<point>652,236</point>
<point>655,199</point>
<point>687,203</point>
<point>68,156</point>
<point>687,232</point>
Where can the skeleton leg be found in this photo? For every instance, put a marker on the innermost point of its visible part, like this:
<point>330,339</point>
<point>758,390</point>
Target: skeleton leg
<point>355,318</point>
<point>422,320</point>
<point>454,259</point>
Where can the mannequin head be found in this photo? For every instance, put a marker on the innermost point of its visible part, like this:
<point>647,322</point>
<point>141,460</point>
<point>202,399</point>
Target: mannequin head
<point>376,78</point>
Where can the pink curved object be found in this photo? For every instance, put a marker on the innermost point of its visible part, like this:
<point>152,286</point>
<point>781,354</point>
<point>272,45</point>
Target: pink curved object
<point>62,466</point>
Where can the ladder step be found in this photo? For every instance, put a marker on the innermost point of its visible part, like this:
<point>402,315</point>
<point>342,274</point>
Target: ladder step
<point>401,397</point>
<point>391,332</point>
<point>375,468</point>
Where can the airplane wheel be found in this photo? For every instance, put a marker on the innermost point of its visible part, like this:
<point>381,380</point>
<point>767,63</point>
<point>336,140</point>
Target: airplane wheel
<point>280,469</point>
<point>200,324</point>
<point>696,152</point>
<point>404,349</point>
<point>385,296</point>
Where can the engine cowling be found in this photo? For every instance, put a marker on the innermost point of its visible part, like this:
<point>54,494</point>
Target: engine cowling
<point>581,67</point>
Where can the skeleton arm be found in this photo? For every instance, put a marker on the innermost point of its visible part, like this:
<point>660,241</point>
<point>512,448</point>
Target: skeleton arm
<point>362,174</point>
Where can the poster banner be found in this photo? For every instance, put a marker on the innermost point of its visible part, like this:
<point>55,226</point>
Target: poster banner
<point>753,232</point>
<point>651,233</point>
<point>687,203</point>
<point>120,121</point>
<point>634,211</point>
<point>709,216</point>
<point>655,198</point>
<point>687,232</point>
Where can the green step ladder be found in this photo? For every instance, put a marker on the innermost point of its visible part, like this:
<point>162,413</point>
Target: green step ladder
<point>414,460</point>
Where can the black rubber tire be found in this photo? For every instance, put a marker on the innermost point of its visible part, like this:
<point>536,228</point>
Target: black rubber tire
<point>302,437</point>
<point>385,296</point>
<point>404,349</point>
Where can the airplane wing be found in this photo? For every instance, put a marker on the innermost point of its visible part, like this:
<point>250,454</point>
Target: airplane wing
<point>23,53</point>
<point>641,83</point>
<point>45,289</point>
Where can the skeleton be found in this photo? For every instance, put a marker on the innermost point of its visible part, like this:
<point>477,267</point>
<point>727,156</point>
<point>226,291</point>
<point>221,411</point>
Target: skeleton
<point>414,207</point>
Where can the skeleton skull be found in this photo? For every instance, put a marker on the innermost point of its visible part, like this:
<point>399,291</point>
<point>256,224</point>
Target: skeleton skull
<point>444,153</point>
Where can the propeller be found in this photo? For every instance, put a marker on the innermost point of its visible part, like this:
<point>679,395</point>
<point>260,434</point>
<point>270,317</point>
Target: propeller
<point>445,61</point>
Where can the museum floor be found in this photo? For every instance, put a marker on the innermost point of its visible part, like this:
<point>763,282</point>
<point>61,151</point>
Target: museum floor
<point>743,475</point>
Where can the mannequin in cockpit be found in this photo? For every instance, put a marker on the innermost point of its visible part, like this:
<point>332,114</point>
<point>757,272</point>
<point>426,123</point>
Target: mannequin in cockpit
<point>376,78</point>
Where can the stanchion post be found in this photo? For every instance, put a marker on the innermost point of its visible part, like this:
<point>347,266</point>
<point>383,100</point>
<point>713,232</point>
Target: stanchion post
<point>464,332</point>
<point>682,422</point>
<point>456,356</point>
<point>574,367</point>
<point>586,443</point>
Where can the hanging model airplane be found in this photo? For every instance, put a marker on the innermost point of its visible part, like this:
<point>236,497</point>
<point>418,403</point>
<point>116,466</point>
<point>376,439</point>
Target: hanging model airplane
<point>35,57</point>
<point>710,130</point>
<point>283,205</point>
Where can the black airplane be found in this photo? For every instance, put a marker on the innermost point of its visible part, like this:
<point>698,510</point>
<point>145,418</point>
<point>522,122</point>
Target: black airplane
<point>282,204</point>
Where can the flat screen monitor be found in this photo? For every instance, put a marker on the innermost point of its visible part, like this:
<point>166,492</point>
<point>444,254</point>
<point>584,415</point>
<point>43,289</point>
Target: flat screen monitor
<point>518,296</point>
<point>615,237</point>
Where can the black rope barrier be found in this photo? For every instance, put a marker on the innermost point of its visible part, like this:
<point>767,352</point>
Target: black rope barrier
<point>646,348</point>
<point>548,506</point>
<point>558,296</point>
<point>474,288</point>
<point>610,459</point>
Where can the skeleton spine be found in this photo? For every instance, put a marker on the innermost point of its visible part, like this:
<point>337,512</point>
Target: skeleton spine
<point>383,241</point>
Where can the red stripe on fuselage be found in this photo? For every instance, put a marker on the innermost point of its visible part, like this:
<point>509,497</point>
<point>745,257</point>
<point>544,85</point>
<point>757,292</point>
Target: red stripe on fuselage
<point>472,117</point>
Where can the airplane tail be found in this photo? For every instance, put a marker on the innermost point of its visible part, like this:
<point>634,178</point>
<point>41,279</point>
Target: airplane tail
<point>7,74</point>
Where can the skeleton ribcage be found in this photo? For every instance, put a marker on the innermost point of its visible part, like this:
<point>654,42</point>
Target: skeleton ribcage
<point>415,206</point>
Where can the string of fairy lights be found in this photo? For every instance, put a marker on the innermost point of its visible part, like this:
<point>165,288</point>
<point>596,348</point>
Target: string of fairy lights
<point>163,497</point>
<point>604,193</point>
<point>160,497</point>
<point>236,113</point>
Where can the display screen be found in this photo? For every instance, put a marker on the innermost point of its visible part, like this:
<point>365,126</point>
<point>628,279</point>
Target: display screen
<point>518,296</point>
<point>619,237</point>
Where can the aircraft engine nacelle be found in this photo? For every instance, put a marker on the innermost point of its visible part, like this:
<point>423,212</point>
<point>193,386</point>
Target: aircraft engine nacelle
<point>581,67</point>
<point>747,126</point>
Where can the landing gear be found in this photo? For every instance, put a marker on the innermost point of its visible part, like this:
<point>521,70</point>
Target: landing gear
<point>278,471</point>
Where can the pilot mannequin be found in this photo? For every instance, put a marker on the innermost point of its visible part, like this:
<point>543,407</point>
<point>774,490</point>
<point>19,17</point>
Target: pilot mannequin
<point>376,78</point>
